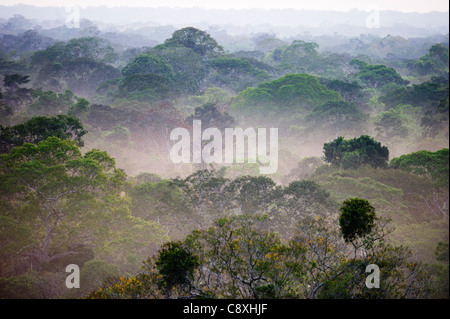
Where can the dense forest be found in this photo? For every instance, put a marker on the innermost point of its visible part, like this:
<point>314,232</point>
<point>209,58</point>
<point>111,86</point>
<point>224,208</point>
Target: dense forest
<point>86,176</point>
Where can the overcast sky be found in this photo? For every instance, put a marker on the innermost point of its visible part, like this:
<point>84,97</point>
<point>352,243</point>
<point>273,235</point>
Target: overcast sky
<point>338,5</point>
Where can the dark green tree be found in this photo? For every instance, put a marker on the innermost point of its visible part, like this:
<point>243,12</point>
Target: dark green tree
<point>40,128</point>
<point>176,265</point>
<point>357,219</point>
<point>199,41</point>
<point>352,153</point>
<point>149,63</point>
<point>434,62</point>
<point>13,81</point>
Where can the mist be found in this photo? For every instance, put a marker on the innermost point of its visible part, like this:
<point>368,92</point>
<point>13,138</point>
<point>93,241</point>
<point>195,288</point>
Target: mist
<point>102,161</point>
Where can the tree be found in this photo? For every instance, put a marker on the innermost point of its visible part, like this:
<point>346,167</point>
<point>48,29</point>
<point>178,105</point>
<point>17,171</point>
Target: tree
<point>399,277</point>
<point>163,202</point>
<point>352,153</point>
<point>39,128</point>
<point>356,219</point>
<point>358,64</point>
<point>143,87</point>
<point>394,123</point>
<point>299,57</point>
<point>350,91</point>
<point>324,253</point>
<point>51,103</point>
<point>176,265</point>
<point>336,115</point>
<point>92,48</point>
<point>298,201</point>
<point>199,41</point>
<point>300,92</point>
<point>441,269</point>
<point>92,274</point>
<point>80,75</point>
<point>13,81</point>
<point>205,192</point>
<point>189,67</point>
<point>266,43</point>
<point>376,75</point>
<point>236,73</point>
<point>211,117</point>
<point>149,63</point>
<point>52,190</point>
<point>426,95</point>
<point>238,258</point>
<point>80,109</point>
<point>252,194</point>
<point>434,62</point>
<point>433,165</point>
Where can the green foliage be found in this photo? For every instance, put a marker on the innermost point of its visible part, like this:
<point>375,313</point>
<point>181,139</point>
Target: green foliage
<point>236,73</point>
<point>80,108</point>
<point>304,169</point>
<point>81,75</point>
<point>229,232</point>
<point>357,219</point>
<point>199,41</point>
<point>350,91</point>
<point>434,62</point>
<point>238,258</point>
<point>352,153</point>
<point>253,194</point>
<point>163,201</point>
<point>51,103</point>
<point>188,66</point>
<point>146,63</point>
<point>119,134</point>
<point>146,178</point>
<point>358,64</point>
<point>50,185</point>
<point>95,271</point>
<point>394,123</point>
<point>303,57</point>
<point>86,47</point>
<point>143,87</point>
<point>19,287</point>
<point>377,75</point>
<point>441,271</point>
<point>230,64</point>
<point>433,165</point>
<point>338,115</point>
<point>176,265</point>
<point>211,117</point>
<point>395,269</point>
<point>13,81</point>
<point>293,91</point>
<point>40,128</point>
<point>426,95</point>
